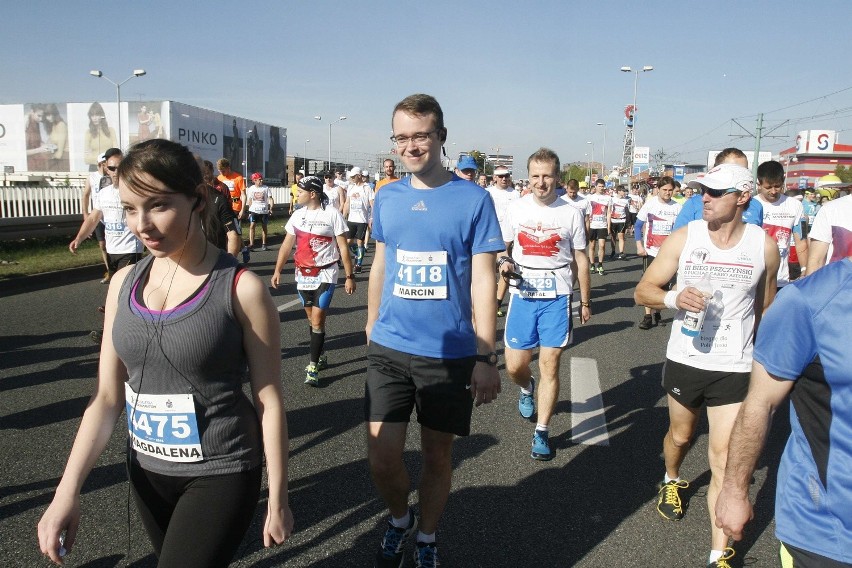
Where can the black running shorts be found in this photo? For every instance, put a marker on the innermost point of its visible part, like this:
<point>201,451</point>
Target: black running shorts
<point>439,389</point>
<point>357,231</point>
<point>598,234</point>
<point>693,387</point>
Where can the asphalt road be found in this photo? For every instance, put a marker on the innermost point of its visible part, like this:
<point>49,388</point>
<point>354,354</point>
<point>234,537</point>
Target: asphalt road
<point>593,505</point>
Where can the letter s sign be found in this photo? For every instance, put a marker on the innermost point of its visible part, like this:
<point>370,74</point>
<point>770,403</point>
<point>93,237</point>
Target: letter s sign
<point>822,141</point>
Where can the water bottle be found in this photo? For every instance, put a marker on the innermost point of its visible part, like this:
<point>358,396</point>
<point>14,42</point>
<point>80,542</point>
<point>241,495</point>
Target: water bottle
<point>692,321</point>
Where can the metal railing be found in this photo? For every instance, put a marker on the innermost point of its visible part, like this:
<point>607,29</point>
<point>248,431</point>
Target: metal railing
<point>47,211</point>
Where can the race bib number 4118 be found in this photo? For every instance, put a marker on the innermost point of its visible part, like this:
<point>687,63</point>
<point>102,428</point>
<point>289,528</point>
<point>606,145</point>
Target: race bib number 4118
<point>421,275</point>
<point>163,426</point>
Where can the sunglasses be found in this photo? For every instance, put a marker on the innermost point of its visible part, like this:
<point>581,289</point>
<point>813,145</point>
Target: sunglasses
<point>716,193</point>
<point>112,168</point>
<point>502,175</point>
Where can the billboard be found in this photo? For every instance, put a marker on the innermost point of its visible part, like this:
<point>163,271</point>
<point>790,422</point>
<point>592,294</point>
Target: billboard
<point>641,155</point>
<point>821,141</point>
<point>68,137</point>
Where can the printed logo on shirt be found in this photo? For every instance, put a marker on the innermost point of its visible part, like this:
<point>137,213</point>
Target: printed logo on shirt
<point>698,256</point>
<point>419,206</point>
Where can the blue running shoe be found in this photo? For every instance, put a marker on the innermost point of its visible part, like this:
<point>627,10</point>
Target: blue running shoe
<point>390,555</point>
<point>426,555</point>
<point>541,446</point>
<point>526,402</point>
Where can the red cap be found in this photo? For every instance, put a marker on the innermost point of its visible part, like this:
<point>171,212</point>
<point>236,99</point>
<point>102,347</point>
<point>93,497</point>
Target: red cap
<point>256,175</point>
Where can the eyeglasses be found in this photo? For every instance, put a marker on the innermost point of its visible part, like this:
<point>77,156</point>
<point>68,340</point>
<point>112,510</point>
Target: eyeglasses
<point>112,168</point>
<point>418,139</point>
<point>501,175</point>
<point>717,193</point>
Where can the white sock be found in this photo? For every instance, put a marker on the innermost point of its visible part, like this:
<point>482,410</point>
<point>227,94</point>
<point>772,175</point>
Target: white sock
<point>542,427</point>
<point>529,389</point>
<point>667,479</point>
<point>715,555</point>
<point>425,538</point>
<point>402,522</point>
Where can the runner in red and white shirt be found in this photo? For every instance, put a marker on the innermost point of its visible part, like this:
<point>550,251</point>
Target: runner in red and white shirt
<point>831,234</point>
<point>782,216</point>
<point>319,234</point>
<point>618,220</point>
<point>653,224</point>
<point>597,224</point>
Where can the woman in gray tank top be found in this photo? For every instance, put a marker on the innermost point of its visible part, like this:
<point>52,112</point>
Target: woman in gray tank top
<point>183,327</point>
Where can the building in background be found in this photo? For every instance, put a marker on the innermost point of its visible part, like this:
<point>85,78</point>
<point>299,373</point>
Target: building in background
<point>65,139</point>
<point>817,153</point>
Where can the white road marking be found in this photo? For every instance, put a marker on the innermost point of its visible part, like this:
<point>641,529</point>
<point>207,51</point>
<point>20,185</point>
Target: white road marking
<point>291,303</point>
<point>588,419</point>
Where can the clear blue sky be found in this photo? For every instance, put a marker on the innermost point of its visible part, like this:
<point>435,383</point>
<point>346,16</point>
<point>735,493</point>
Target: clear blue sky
<point>509,75</point>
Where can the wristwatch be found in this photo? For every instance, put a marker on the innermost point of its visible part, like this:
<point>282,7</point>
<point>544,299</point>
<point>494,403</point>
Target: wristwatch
<point>350,277</point>
<point>490,358</point>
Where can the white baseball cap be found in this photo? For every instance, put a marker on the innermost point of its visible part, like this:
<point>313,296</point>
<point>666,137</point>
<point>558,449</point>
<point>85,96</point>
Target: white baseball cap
<point>726,176</point>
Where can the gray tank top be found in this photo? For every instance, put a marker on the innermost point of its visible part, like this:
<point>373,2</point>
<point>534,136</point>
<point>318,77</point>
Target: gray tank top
<point>187,366</point>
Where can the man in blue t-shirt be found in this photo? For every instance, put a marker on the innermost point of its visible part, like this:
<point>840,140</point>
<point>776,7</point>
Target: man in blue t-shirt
<point>436,242</point>
<point>693,208</point>
<point>813,501</point>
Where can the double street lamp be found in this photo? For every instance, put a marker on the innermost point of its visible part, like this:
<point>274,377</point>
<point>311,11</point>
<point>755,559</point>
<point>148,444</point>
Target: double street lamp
<point>100,75</point>
<point>341,119</point>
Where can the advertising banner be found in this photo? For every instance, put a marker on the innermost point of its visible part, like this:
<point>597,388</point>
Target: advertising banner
<point>145,120</point>
<point>13,152</point>
<point>92,131</point>
<point>821,141</point>
<point>34,137</point>
<point>802,142</point>
<point>69,137</point>
<point>641,155</point>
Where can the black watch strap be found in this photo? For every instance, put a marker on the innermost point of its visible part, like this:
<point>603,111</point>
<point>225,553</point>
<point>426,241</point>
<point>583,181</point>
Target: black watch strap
<point>490,358</point>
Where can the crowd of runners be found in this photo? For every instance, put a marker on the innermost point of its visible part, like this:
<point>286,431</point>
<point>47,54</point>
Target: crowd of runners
<point>451,252</point>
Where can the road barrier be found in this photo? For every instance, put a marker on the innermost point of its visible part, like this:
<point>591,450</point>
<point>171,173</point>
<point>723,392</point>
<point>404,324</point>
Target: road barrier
<point>27,212</point>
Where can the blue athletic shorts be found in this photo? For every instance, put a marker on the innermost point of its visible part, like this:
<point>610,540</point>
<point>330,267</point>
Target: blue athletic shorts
<point>319,298</point>
<point>540,322</point>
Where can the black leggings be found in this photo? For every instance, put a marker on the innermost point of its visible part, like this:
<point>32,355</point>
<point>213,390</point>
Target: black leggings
<point>195,521</point>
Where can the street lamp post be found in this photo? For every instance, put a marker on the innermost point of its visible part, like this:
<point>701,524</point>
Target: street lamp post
<point>341,119</point>
<point>305,158</point>
<point>98,74</point>
<point>604,147</point>
<point>245,153</point>
<point>645,69</point>
<point>593,159</point>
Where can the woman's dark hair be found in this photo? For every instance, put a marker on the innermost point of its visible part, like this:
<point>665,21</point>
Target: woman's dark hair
<point>53,111</point>
<point>97,110</point>
<point>176,167</point>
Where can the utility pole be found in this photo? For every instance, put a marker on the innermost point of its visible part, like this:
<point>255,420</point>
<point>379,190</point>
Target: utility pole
<point>757,135</point>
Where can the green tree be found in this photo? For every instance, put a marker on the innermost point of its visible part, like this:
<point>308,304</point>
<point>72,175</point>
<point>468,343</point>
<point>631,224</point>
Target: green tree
<point>844,173</point>
<point>577,171</point>
<point>481,164</point>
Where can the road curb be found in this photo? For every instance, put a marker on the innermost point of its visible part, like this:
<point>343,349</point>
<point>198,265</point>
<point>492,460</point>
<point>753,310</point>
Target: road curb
<point>22,284</point>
